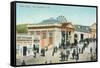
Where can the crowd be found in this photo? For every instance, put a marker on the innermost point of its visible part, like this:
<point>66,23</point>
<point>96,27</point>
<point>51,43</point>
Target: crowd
<point>65,52</point>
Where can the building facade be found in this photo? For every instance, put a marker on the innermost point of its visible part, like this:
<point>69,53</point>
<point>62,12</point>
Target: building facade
<point>24,46</point>
<point>82,32</point>
<point>51,35</point>
<point>93,30</point>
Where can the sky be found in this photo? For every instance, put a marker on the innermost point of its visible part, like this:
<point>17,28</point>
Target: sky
<point>35,13</point>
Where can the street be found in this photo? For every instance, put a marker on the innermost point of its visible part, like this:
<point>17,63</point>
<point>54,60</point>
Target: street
<point>48,58</point>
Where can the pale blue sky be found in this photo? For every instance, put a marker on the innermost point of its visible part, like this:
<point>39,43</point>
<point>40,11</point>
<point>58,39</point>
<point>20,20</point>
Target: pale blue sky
<point>35,13</point>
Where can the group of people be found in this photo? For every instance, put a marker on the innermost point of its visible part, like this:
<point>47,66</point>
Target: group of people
<point>75,54</point>
<point>64,55</point>
<point>35,49</point>
<point>66,52</point>
<point>86,42</point>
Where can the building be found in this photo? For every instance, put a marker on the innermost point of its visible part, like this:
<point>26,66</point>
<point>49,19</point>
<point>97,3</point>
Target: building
<point>51,32</point>
<point>24,44</point>
<point>93,30</point>
<point>82,32</point>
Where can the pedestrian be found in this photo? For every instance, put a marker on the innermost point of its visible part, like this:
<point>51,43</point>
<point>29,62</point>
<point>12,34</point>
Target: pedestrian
<point>75,42</point>
<point>88,41</point>
<point>91,57</point>
<point>34,47</point>
<point>37,47</point>
<point>82,50</point>
<point>38,50</point>
<point>35,53</point>
<point>23,63</point>
<point>62,55</point>
<point>54,50</point>
<point>67,54</point>
<point>77,55</point>
<point>73,54</point>
<point>43,52</point>
<point>79,50</point>
<point>91,50</point>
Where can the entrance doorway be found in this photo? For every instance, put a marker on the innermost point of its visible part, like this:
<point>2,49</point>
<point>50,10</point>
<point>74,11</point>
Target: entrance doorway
<point>82,37</point>
<point>63,39</point>
<point>24,51</point>
<point>66,35</point>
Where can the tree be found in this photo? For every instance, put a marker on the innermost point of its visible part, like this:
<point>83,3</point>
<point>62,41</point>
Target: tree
<point>22,28</point>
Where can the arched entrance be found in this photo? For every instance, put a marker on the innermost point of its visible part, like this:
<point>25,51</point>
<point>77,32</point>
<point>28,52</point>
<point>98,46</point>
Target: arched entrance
<point>75,39</point>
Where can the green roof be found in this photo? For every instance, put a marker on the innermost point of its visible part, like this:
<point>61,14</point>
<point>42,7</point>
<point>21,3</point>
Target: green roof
<point>82,28</point>
<point>50,21</point>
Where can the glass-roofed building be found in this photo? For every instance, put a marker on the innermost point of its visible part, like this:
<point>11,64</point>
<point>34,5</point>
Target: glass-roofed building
<point>52,32</point>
